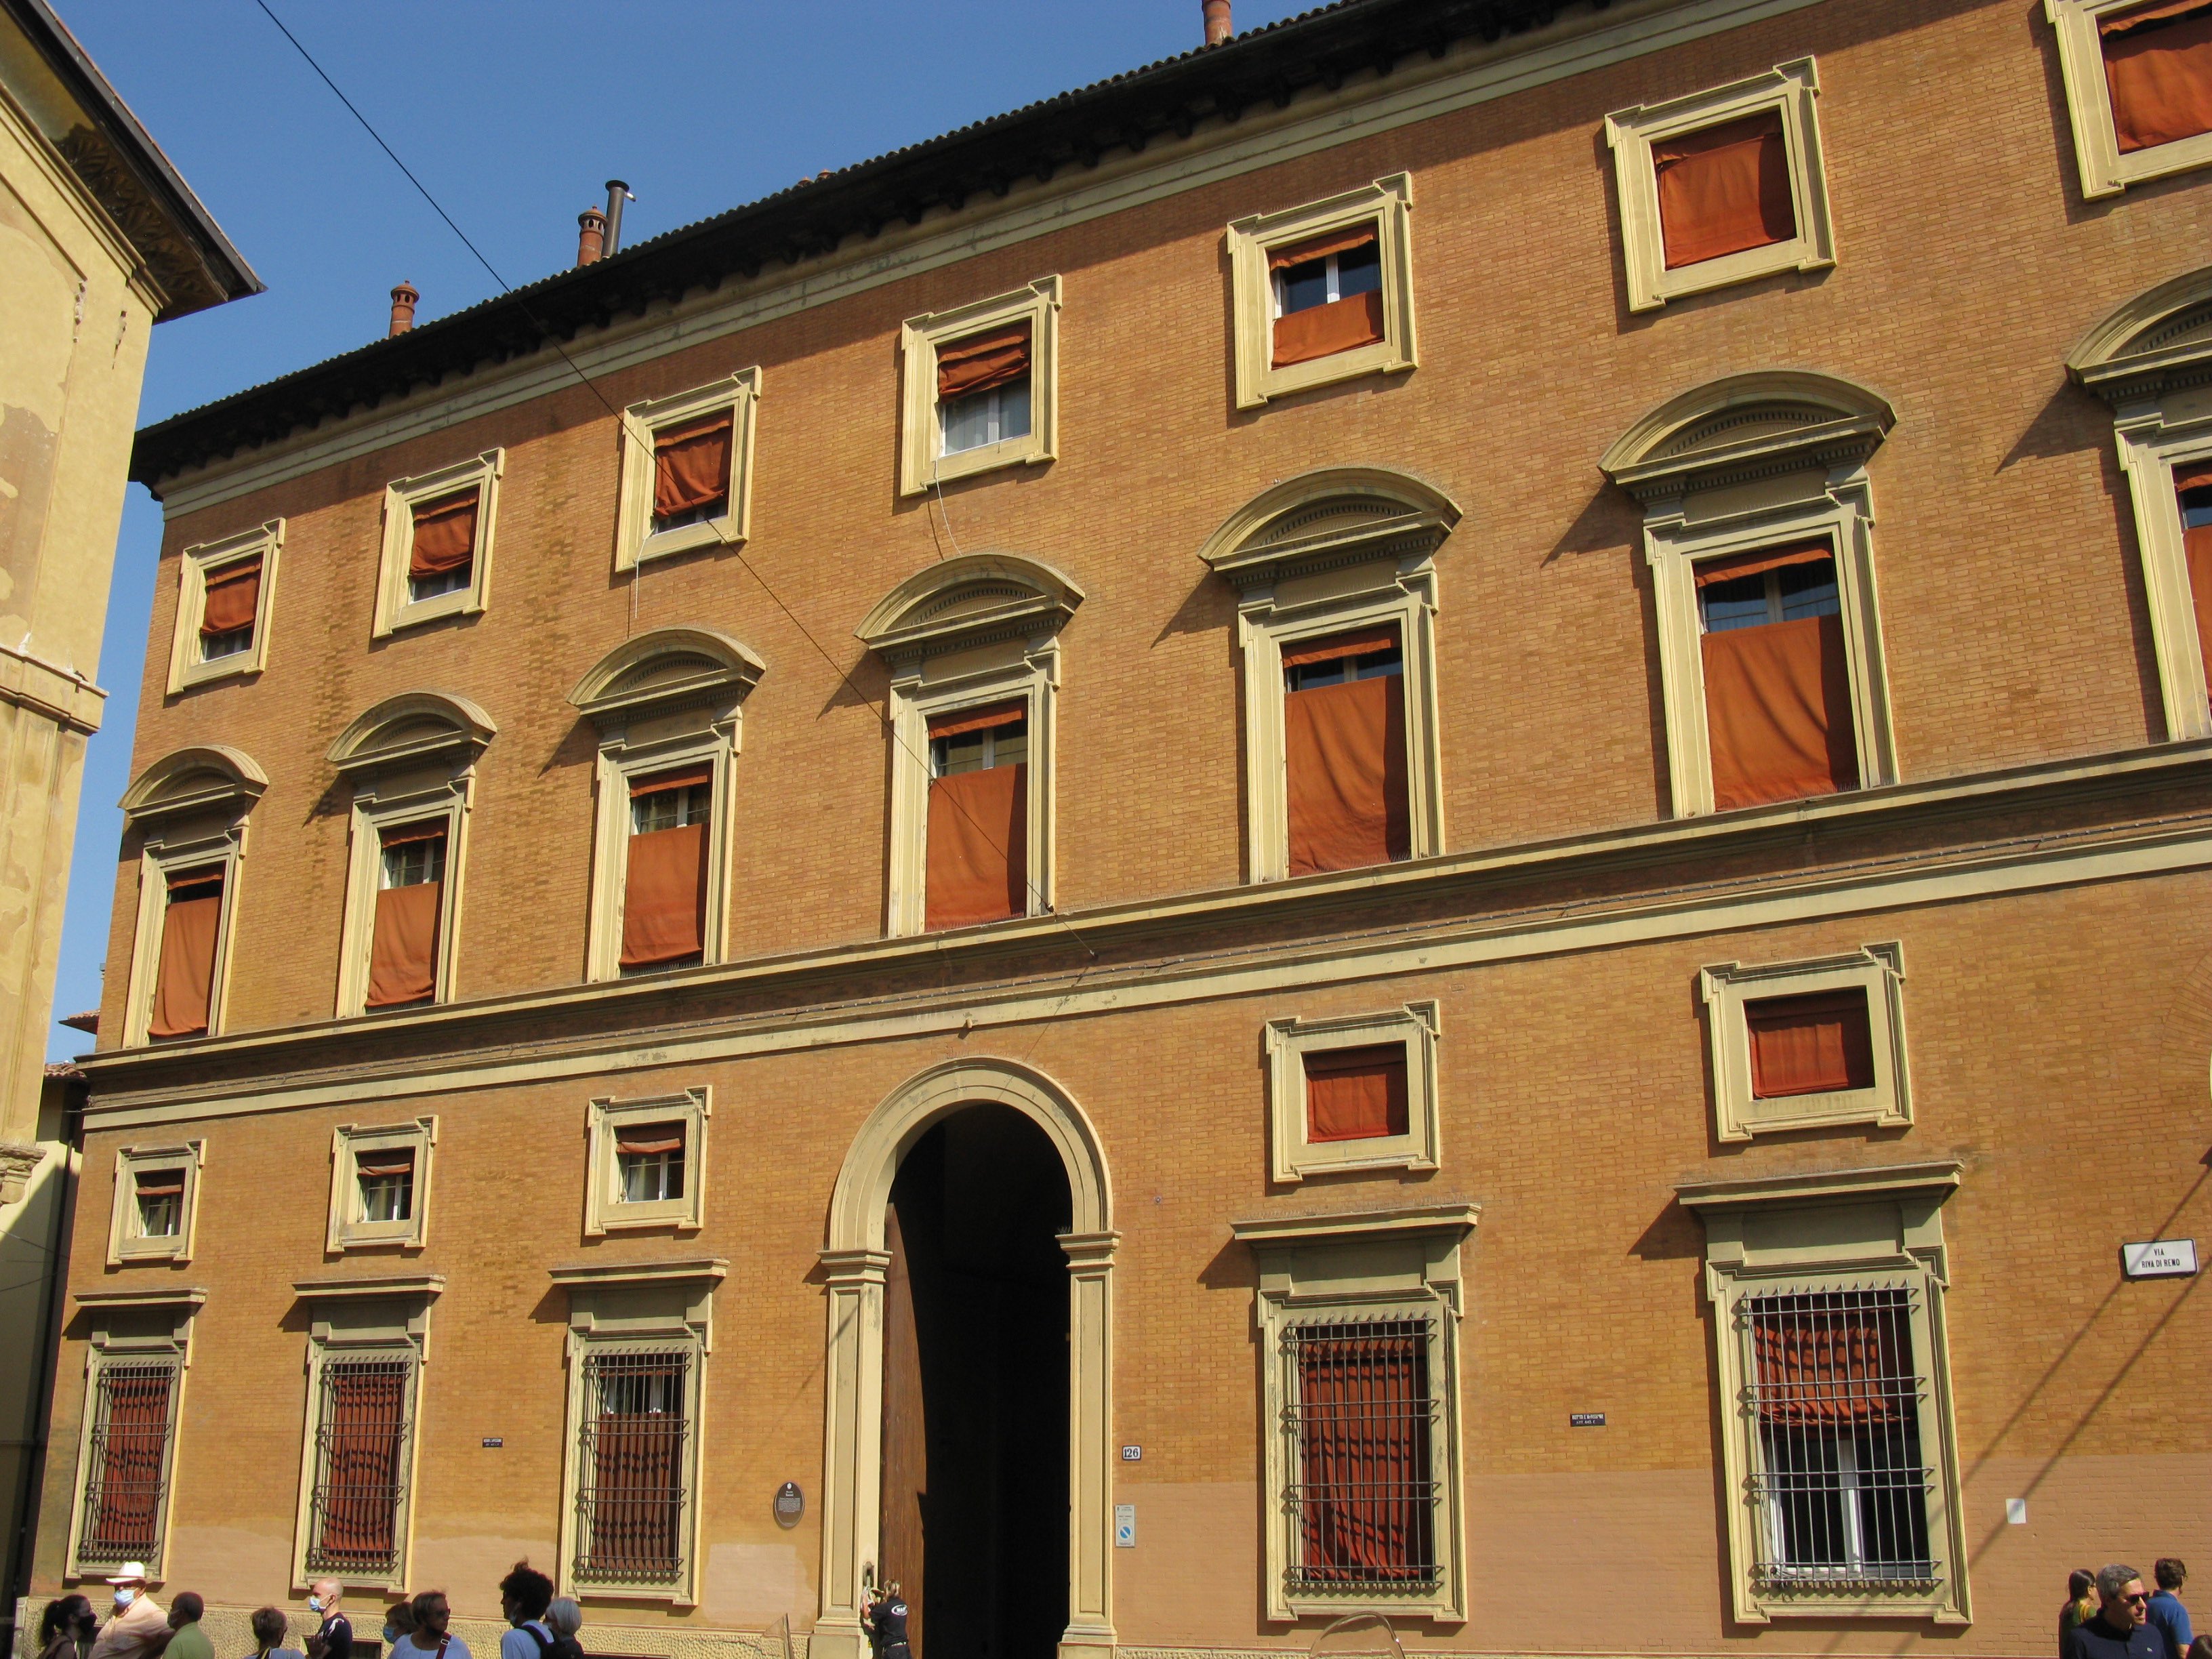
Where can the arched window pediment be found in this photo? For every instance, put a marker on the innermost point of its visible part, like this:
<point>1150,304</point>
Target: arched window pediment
<point>1327,518</point>
<point>1746,427</point>
<point>204,778</point>
<point>665,671</point>
<point>411,729</point>
<point>2159,341</point>
<point>972,600</point>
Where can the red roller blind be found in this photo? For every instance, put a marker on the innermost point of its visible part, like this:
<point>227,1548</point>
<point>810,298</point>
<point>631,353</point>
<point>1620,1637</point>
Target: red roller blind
<point>1778,711</point>
<point>665,896</point>
<point>367,1409</point>
<point>402,955</point>
<point>978,853</point>
<point>134,1439</point>
<point>1345,774</point>
<point>1364,1456</point>
<point>1356,1094</point>
<point>647,1140</point>
<point>445,535</point>
<point>983,361</point>
<point>1817,1044</point>
<point>1323,330</point>
<point>405,834</point>
<point>384,1161</point>
<point>692,464</point>
<point>1738,566</point>
<point>1320,247</point>
<point>162,1183</point>
<point>1724,189</point>
<point>977,719</point>
<point>1359,642</point>
<point>683,777</point>
<point>185,975</point>
<point>2158,68</point>
<point>233,599</point>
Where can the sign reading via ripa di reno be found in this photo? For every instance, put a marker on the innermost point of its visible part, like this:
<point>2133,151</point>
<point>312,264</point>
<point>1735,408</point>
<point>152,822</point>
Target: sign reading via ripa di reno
<point>2161,1258</point>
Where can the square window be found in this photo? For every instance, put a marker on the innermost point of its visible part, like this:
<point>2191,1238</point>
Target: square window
<point>1324,293</point>
<point>980,387</point>
<point>645,1163</point>
<point>161,1195</point>
<point>649,1163</point>
<point>1722,186</point>
<point>1800,1044</point>
<point>381,1184</point>
<point>223,591</point>
<point>438,535</point>
<point>155,1205</point>
<point>2138,79</point>
<point>1352,1093</point>
<point>687,470</point>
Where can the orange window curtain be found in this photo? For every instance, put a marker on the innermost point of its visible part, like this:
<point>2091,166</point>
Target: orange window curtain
<point>691,466</point>
<point>1356,1094</point>
<point>978,854</point>
<point>983,361</point>
<point>233,597</point>
<point>1345,762</point>
<point>134,1437</point>
<point>2196,546</point>
<point>385,1161</point>
<point>2158,67</point>
<point>185,975</point>
<point>403,951</point>
<point>162,1183</point>
<point>1323,330</point>
<point>648,1139</point>
<point>638,1431</point>
<point>1724,189</point>
<point>1364,1471</point>
<point>1809,1045</point>
<point>1826,1360</point>
<point>664,889</point>
<point>1777,698</point>
<point>363,1439</point>
<point>445,536</point>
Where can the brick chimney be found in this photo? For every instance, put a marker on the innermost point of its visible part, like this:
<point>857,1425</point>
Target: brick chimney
<point>403,308</point>
<point>1218,26</point>
<point>591,235</point>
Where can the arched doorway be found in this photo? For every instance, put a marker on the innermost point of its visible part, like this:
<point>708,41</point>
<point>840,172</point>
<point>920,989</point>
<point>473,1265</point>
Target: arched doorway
<point>969,1126</point>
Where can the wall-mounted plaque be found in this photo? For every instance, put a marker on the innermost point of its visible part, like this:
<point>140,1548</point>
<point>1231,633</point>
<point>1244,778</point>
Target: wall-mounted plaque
<point>790,1503</point>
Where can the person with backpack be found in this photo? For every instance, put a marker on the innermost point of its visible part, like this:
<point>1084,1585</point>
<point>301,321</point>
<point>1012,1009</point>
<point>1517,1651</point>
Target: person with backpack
<point>524,1595</point>
<point>564,1618</point>
<point>432,1614</point>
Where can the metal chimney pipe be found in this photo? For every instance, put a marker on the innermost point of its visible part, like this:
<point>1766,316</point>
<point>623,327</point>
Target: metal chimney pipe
<point>591,235</point>
<point>403,308</point>
<point>617,193</point>
<point>1218,27</point>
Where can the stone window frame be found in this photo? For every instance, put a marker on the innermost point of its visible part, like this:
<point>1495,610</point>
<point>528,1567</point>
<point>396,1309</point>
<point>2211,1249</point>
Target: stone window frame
<point>1388,203</point>
<point>1791,89</point>
<point>386,1316</point>
<point>1378,568</point>
<point>125,1244</point>
<point>2150,360</point>
<point>657,1306</point>
<point>1292,1157</point>
<point>346,1230</point>
<point>635,541</point>
<point>604,1115</point>
<point>132,1328</point>
<point>2105,171</point>
<point>1834,1230</point>
<point>1709,491</point>
<point>1383,1264</point>
<point>1727,987</point>
<point>194,564</point>
<point>921,466</point>
<point>394,609</point>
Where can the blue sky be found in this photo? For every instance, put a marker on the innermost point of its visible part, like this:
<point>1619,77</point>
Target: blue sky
<point>513,115</point>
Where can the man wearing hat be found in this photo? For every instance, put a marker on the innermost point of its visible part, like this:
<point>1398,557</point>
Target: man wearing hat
<point>138,1623</point>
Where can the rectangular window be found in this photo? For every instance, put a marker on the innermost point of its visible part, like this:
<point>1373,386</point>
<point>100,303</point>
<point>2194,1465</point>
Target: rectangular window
<point>978,830</point>
<point>2193,492</point>
<point>192,921</point>
<point>2158,70</point>
<point>1810,1045</point>
<point>631,1460</point>
<point>1724,189</point>
<point>1777,677</point>
<point>1838,1478</point>
<point>1327,295</point>
<point>649,1160</point>
<point>1343,739</point>
<point>983,388</point>
<point>691,472</point>
<point>1362,1418</point>
<point>665,882</point>
<point>385,1177</point>
<point>360,1466</point>
<point>231,600</point>
<point>443,546</point>
<point>127,1461</point>
<point>1356,1094</point>
<point>403,961</point>
<point>161,1195</point>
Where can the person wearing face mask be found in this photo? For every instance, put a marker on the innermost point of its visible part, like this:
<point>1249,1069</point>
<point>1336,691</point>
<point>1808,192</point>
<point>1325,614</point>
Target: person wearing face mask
<point>139,1626</point>
<point>334,1639</point>
<point>399,1625</point>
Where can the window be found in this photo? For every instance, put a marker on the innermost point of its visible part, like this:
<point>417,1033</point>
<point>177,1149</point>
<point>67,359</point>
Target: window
<point>1841,1465</point>
<point>1336,613</point>
<point>1722,186</point>
<point>222,607</point>
<point>980,387</point>
<point>438,542</point>
<point>191,923</point>
<point>411,887</point>
<point>189,810</point>
<point>1800,1044</point>
<point>646,1162</point>
<point>156,1203</point>
<point>1358,1317</point>
<point>664,880</point>
<point>1354,1092</point>
<point>380,1185</point>
<point>2138,79</point>
<point>687,470</point>
<point>1777,680</point>
<point>138,1356</point>
<point>1323,292</point>
<point>978,793</point>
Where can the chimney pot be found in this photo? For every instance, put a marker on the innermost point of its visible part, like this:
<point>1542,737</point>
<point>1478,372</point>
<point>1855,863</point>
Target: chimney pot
<point>403,308</point>
<point>591,235</point>
<point>1218,27</point>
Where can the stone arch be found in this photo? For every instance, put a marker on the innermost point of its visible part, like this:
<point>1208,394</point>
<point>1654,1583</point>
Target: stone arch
<point>1328,504</point>
<point>854,1262</point>
<point>1744,425</point>
<point>971,599</point>
<point>204,777</point>
<point>413,726</point>
<point>667,669</point>
<point>2163,329</point>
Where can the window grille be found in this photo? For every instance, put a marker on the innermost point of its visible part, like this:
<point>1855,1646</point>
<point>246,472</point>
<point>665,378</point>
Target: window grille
<point>1837,1480</point>
<point>127,1462</point>
<point>360,1466</point>
<point>630,1465</point>
<point>1362,1423</point>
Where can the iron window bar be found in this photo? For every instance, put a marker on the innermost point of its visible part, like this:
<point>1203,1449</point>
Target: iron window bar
<point>362,1430</point>
<point>630,1464</point>
<point>1838,1482</point>
<point>1361,1422</point>
<point>126,1476</point>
